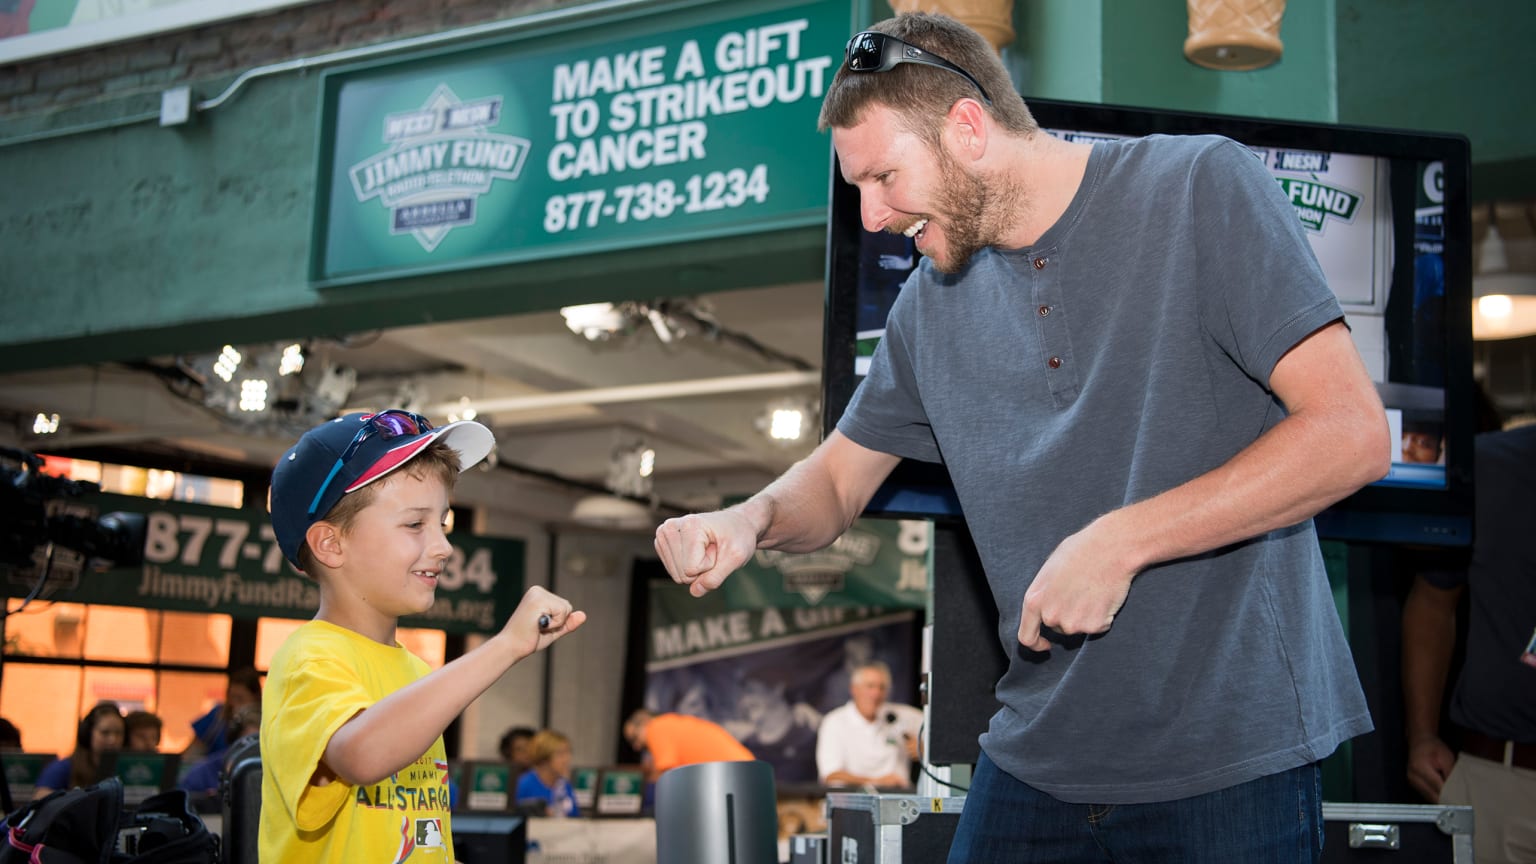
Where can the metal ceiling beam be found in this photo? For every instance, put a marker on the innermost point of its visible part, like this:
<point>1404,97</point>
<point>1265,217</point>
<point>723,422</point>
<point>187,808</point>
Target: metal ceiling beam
<point>635,393</point>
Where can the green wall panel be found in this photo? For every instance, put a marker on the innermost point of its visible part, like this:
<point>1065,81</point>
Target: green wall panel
<point>1145,65</point>
<point>1449,67</point>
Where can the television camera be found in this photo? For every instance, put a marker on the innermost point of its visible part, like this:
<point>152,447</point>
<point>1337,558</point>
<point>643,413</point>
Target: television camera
<point>33,513</point>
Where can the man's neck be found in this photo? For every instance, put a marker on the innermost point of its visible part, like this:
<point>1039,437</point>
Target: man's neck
<point>1049,171</point>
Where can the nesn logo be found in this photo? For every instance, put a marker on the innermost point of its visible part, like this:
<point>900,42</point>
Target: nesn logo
<point>1300,160</point>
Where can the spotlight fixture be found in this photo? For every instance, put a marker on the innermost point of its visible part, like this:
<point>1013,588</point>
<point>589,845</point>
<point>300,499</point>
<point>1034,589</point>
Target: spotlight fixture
<point>266,386</point>
<point>45,424</point>
<point>292,361</point>
<point>630,469</point>
<point>600,322</point>
<point>465,411</point>
<point>786,424</point>
<point>595,322</point>
<point>785,421</point>
<point>253,395</point>
<point>226,364</point>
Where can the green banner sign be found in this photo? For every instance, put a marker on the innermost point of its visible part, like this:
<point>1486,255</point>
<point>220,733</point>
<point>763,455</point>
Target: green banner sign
<point>489,785</point>
<point>621,793</point>
<point>199,558</point>
<point>144,774</point>
<point>877,562</point>
<point>693,122</point>
<point>584,786</point>
<point>22,771</point>
<point>687,629</point>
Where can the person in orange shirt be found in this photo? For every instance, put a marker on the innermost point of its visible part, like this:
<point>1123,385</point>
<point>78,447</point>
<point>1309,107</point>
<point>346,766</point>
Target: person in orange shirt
<point>666,741</point>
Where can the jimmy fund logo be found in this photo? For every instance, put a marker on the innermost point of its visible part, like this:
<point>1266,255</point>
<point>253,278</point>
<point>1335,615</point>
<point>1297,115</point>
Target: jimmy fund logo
<point>440,161</point>
<point>1313,199</point>
<point>815,574</point>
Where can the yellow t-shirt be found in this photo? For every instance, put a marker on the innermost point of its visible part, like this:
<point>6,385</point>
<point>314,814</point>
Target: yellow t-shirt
<point>320,678</point>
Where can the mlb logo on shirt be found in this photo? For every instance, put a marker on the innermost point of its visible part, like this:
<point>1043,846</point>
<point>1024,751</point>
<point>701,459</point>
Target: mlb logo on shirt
<point>429,833</point>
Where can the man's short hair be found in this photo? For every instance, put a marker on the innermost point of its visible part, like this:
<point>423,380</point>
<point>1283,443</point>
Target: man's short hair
<point>922,93</point>
<point>141,720</point>
<point>632,725</point>
<point>504,746</point>
<point>877,666</point>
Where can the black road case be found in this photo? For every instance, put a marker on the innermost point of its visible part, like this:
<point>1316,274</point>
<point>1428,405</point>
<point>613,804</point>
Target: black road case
<point>1396,833</point>
<point>891,829</point>
<point>808,848</point>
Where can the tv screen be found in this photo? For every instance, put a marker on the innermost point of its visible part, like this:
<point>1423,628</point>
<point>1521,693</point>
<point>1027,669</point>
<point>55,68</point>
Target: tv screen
<point>490,838</point>
<point>143,774</point>
<point>1388,215</point>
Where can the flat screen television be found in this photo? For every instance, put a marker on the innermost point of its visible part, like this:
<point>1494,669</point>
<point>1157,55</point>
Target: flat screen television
<point>1388,214</point>
<point>490,838</point>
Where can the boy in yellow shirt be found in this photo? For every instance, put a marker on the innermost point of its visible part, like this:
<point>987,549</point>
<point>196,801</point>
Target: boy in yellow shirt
<point>353,765</point>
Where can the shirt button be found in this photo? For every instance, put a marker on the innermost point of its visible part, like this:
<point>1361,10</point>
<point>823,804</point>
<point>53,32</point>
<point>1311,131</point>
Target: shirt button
<point>1054,362</point>
<point>1039,263</point>
<point>1044,311</point>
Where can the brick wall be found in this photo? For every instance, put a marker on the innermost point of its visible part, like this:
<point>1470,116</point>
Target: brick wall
<point>227,48</point>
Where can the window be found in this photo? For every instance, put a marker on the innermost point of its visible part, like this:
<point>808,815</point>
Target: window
<point>62,658</point>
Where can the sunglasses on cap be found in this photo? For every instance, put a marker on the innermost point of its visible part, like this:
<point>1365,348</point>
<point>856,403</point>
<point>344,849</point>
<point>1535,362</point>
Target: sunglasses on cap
<point>393,423</point>
<point>878,52</point>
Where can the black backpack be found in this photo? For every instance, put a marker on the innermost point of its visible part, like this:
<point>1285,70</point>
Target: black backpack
<point>88,826</point>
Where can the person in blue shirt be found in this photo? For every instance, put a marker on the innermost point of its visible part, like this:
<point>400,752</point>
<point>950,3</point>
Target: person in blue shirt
<point>204,777</point>
<point>548,782</point>
<point>211,731</point>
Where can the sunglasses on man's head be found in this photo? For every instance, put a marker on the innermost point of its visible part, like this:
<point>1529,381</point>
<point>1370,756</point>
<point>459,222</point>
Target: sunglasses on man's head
<point>393,423</point>
<point>879,52</point>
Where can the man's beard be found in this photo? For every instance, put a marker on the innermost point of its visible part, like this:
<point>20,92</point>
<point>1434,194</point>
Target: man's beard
<point>972,212</point>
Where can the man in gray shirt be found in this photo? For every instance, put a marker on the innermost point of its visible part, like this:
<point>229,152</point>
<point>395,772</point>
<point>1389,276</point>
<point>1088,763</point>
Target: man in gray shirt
<point>1128,359</point>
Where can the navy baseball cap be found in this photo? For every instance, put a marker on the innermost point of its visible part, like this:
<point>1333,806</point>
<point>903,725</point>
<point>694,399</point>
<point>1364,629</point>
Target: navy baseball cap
<point>348,453</point>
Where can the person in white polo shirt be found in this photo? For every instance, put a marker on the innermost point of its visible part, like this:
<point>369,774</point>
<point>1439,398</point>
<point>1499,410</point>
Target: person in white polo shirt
<point>869,741</point>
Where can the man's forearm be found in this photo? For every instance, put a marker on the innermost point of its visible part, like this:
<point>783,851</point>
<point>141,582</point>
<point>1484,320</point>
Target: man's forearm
<point>815,501</point>
<point>1290,474</point>
<point>1333,442</point>
<point>1429,637</point>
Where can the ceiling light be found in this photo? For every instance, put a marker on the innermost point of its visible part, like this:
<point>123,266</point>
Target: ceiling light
<point>786,421</point>
<point>292,361</point>
<point>630,469</point>
<point>253,394</point>
<point>228,362</point>
<point>464,411</point>
<point>1504,302</point>
<point>45,424</point>
<point>786,424</point>
<point>594,322</point>
<point>1234,36</point>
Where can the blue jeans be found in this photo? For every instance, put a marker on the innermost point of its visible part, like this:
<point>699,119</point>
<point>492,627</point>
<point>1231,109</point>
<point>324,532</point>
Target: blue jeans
<point>1272,820</point>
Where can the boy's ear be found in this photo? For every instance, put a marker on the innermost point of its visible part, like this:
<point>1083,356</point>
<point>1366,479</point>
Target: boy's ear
<point>324,540</point>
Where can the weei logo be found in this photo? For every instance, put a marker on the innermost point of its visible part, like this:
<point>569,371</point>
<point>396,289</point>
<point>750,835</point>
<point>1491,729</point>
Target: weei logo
<point>1314,200</point>
<point>813,575</point>
<point>441,159</point>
